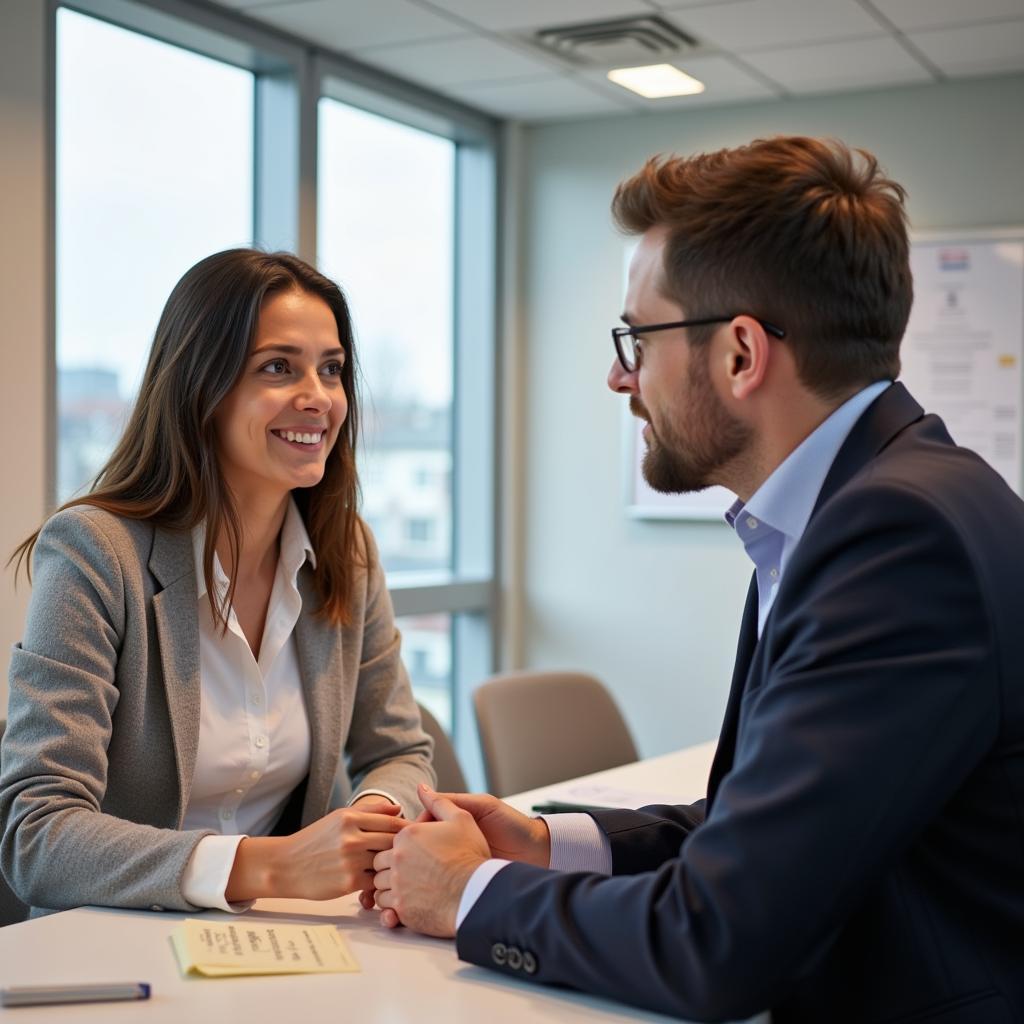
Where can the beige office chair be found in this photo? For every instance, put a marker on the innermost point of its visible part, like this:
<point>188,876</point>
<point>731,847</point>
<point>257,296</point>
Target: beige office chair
<point>449,775</point>
<point>542,727</point>
<point>12,910</point>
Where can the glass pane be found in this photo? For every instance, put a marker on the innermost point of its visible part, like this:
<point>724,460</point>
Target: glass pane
<point>154,171</point>
<point>427,653</point>
<point>385,231</point>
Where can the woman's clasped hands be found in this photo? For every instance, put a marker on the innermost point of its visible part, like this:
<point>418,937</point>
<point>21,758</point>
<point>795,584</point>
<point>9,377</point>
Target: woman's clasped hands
<point>329,858</point>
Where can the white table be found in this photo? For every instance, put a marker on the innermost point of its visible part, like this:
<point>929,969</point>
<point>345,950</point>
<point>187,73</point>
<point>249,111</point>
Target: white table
<point>404,977</point>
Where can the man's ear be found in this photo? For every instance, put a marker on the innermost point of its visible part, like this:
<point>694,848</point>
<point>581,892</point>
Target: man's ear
<point>746,351</point>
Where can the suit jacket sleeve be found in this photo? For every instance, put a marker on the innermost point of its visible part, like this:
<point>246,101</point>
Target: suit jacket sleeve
<point>386,747</point>
<point>881,696</point>
<point>58,848</point>
<point>643,840</point>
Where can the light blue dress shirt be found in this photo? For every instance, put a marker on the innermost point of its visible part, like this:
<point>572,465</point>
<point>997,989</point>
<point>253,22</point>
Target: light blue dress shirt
<point>770,526</point>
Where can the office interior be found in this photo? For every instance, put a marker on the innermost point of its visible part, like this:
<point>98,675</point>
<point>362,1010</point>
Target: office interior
<point>553,572</point>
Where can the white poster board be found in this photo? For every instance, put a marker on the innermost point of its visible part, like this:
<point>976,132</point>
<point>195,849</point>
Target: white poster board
<point>963,350</point>
<point>962,355</point>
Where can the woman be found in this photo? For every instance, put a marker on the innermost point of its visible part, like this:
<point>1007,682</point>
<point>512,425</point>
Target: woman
<point>209,628</point>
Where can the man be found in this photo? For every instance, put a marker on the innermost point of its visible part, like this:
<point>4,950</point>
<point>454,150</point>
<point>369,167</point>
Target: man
<point>860,854</point>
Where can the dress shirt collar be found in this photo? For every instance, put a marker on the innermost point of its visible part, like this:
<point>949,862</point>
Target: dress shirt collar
<point>786,499</point>
<point>296,548</point>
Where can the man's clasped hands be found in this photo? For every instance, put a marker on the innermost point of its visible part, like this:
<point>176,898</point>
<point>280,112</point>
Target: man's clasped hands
<point>419,881</point>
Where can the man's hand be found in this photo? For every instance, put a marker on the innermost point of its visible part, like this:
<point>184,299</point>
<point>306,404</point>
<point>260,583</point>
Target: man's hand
<point>509,834</point>
<point>419,881</point>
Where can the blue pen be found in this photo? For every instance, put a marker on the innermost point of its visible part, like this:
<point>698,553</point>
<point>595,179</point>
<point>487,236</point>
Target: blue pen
<point>43,995</point>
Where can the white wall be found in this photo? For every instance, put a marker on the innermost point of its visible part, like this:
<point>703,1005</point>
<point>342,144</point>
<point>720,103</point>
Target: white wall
<point>654,608</point>
<point>23,299</point>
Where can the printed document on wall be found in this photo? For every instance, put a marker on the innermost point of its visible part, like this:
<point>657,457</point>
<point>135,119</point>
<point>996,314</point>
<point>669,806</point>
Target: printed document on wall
<point>963,350</point>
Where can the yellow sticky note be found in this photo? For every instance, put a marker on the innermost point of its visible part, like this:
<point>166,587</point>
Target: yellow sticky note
<point>219,949</point>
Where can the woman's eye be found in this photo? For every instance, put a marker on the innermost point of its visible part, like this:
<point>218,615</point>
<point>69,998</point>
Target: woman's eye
<point>333,369</point>
<point>276,367</point>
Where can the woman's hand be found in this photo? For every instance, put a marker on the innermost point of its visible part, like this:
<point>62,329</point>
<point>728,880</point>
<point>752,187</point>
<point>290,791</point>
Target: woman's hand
<point>330,858</point>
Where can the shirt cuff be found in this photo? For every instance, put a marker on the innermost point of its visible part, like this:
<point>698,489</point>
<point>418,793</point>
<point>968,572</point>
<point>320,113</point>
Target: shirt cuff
<point>374,792</point>
<point>478,881</point>
<point>205,880</point>
<point>578,844</point>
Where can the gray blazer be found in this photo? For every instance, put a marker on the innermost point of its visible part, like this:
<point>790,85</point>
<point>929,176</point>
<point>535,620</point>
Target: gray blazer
<point>103,721</point>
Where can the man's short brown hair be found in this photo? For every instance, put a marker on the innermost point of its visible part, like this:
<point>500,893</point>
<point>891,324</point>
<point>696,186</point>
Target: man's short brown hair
<point>805,233</point>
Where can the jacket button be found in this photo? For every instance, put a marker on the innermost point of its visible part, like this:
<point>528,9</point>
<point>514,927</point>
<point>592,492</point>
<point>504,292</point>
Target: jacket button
<point>515,958</point>
<point>499,953</point>
<point>156,906</point>
<point>529,963</point>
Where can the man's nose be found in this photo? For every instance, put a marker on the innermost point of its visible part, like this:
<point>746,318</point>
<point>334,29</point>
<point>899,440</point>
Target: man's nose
<point>620,380</point>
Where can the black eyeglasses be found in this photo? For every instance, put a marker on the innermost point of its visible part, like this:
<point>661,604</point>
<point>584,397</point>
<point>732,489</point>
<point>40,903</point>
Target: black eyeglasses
<point>629,355</point>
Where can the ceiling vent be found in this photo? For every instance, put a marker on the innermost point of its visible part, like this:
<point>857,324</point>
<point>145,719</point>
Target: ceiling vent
<point>606,44</point>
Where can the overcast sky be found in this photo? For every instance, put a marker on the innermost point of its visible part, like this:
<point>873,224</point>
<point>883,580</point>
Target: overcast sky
<point>154,172</point>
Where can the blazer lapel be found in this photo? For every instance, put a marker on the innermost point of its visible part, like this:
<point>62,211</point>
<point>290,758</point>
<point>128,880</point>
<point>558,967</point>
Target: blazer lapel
<point>319,651</point>
<point>175,610</point>
<point>745,648</point>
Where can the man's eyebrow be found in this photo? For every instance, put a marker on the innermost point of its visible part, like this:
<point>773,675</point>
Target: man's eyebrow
<point>294,350</point>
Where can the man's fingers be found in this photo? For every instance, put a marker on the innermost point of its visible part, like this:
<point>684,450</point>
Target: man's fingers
<point>382,861</point>
<point>382,880</point>
<point>444,810</point>
<point>389,919</point>
<point>477,804</point>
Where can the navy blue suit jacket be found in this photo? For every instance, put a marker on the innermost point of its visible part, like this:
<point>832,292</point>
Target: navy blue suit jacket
<point>860,855</point>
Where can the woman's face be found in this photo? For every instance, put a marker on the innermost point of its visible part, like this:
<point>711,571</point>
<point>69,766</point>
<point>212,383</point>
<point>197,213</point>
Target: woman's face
<point>278,424</point>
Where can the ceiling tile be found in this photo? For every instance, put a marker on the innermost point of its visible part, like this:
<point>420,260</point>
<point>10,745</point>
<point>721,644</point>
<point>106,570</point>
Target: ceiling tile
<point>916,14</point>
<point>346,24</point>
<point>455,61</point>
<point>977,50</point>
<point>851,64</point>
<point>539,99</point>
<point>724,82</point>
<point>751,24</point>
<point>500,15</point>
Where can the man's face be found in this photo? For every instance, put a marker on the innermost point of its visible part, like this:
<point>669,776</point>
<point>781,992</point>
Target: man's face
<point>690,435</point>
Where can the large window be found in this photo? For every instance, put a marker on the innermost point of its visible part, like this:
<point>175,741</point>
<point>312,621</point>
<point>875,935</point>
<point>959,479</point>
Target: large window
<point>388,202</point>
<point>385,232</point>
<point>182,130</point>
<point>154,171</point>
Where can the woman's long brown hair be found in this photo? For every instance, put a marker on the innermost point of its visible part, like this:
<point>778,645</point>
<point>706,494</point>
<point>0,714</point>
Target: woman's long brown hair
<point>165,469</point>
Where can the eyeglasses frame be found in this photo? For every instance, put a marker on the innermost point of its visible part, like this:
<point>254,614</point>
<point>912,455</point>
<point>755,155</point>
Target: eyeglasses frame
<point>631,331</point>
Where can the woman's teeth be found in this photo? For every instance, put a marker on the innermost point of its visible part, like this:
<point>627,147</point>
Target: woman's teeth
<point>290,435</point>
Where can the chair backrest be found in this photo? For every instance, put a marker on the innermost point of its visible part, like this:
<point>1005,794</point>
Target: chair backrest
<point>12,910</point>
<point>537,728</point>
<point>449,774</point>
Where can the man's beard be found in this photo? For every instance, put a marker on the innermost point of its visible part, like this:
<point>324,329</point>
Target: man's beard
<point>674,464</point>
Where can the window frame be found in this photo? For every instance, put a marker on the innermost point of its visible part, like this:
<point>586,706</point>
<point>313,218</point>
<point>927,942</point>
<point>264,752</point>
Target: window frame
<point>291,76</point>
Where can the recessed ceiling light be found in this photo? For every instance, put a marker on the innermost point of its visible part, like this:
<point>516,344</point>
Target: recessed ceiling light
<point>656,80</point>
